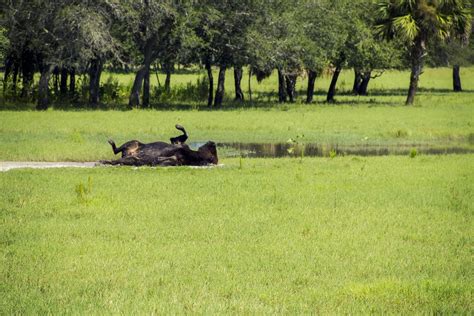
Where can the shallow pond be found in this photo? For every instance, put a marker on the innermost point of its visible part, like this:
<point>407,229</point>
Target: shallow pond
<point>276,150</point>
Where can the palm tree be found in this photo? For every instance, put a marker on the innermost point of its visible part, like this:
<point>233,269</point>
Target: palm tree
<point>417,22</point>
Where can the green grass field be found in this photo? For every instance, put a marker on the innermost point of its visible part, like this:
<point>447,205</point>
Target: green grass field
<point>389,89</point>
<point>392,82</point>
<point>82,135</point>
<point>342,235</point>
<point>338,235</point>
<point>439,118</point>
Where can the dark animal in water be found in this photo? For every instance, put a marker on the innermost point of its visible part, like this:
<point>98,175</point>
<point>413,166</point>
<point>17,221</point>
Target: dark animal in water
<point>181,139</point>
<point>135,153</point>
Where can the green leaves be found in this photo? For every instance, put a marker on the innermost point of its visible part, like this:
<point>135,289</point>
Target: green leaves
<point>406,27</point>
<point>4,43</point>
<point>417,22</point>
<point>409,19</point>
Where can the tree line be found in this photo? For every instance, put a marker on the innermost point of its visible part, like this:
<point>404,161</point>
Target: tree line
<point>68,38</point>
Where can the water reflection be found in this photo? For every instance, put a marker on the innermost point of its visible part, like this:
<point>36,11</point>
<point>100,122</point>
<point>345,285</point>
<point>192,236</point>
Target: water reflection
<point>275,150</point>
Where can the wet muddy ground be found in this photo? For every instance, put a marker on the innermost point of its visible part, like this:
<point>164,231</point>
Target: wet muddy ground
<point>8,165</point>
<point>276,150</point>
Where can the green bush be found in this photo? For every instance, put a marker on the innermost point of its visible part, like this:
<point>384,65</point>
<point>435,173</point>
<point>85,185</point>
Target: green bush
<point>189,92</point>
<point>111,90</point>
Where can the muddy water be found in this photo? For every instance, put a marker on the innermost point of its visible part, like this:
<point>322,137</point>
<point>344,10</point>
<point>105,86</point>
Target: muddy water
<point>275,150</point>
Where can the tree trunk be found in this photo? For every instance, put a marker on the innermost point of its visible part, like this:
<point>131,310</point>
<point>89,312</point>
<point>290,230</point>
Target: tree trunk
<point>250,87</point>
<point>239,95</point>
<point>417,58</point>
<point>43,88</point>
<point>220,87</point>
<point>146,89</point>
<point>72,82</point>
<point>155,68</point>
<point>290,87</point>
<point>357,81</point>
<point>210,97</point>
<point>364,84</point>
<point>95,71</point>
<point>28,71</point>
<point>281,87</point>
<point>134,99</point>
<point>56,81</point>
<point>63,83</point>
<point>168,79</point>
<point>456,79</point>
<point>412,88</point>
<point>332,86</point>
<point>9,64</point>
<point>310,91</point>
<point>15,78</point>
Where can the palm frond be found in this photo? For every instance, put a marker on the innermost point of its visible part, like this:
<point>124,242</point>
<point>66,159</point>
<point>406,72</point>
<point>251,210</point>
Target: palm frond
<point>406,26</point>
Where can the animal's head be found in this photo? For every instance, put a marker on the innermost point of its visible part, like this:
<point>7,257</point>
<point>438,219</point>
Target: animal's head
<point>208,152</point>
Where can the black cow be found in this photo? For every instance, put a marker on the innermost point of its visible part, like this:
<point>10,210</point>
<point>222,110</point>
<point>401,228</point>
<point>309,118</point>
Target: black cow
<point>135,153</point>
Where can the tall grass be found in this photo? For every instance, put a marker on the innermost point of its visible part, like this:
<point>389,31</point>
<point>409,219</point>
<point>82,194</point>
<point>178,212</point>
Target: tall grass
<point>317,235</point>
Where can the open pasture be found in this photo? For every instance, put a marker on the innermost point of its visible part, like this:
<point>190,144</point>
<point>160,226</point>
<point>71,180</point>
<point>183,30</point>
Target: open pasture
<point>345,178</point>
<point>292,235</point>
<point>439,118</point>
<point>341,235</point>
<point>82,135</point>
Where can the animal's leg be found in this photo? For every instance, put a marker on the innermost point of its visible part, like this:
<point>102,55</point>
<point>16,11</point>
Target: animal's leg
<point>129,161</point>
<point>167,161</point>
<point>181,139</point>
<point>114,148</point>
<point>109,162</point>
<point>126,149</point>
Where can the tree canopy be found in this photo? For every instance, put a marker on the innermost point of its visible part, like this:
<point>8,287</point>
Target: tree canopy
<point>298,39</point>
<point>419,22</point>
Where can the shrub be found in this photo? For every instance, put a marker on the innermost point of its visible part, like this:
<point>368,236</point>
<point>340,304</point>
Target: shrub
<point>111,90</point>
<point>189,92</point>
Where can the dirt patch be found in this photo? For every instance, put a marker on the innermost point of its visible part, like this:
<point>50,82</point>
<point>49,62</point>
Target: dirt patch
<point>9,165</point>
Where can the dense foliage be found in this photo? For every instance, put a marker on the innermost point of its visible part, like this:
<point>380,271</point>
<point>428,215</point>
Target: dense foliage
<point>418,22</point>
<point>62,40</point>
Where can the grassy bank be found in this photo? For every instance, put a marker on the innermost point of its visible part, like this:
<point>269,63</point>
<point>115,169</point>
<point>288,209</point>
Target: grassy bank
<point>81,135</point>
<point>342,235</point>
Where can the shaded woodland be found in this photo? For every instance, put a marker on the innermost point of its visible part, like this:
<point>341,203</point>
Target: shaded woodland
<point>46,46</point>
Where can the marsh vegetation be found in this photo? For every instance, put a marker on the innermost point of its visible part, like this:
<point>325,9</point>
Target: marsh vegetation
<point>340,233</point>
